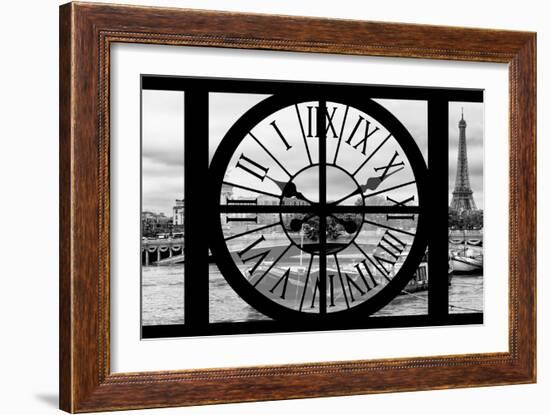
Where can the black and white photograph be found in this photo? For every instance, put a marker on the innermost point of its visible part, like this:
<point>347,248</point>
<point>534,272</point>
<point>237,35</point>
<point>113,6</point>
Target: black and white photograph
<point>312,206</point>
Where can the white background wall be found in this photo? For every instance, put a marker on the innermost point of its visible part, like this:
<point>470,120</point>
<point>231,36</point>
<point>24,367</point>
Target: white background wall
<point>29,207</point>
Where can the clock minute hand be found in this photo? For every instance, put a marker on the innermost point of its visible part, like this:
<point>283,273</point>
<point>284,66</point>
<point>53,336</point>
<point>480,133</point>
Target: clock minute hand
<point>375,181</point>
<point>371,184</point>
<point>355,192</point>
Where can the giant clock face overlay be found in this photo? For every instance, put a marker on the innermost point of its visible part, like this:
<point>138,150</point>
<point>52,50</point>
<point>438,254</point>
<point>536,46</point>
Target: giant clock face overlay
<point>318,207</point>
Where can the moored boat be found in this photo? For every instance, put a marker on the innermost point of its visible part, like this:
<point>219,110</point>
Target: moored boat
<point>467,260</point>
<point>466,264</point>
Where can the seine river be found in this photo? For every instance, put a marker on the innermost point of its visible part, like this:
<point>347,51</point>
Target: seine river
<point>162,298</point>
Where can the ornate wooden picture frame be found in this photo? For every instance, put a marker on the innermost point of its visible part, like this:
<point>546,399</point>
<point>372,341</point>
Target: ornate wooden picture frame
<point>87,32</point>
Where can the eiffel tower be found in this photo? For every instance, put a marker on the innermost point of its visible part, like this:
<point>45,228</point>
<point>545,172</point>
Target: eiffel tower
<point>463,196</point>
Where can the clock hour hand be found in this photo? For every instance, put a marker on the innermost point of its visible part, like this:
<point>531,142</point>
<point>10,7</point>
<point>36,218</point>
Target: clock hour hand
<point>288,189</point>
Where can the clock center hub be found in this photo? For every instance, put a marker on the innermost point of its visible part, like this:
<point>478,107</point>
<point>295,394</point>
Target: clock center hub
<point>341,228</point>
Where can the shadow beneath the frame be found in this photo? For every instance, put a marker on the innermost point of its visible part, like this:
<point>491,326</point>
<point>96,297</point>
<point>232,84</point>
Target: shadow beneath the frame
<point>50,399</point>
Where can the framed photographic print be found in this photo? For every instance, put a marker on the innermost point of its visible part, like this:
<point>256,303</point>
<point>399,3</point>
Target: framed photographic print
<point>254,209</point>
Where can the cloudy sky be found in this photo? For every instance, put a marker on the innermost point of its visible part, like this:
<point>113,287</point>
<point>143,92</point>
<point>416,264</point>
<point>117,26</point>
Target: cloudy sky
<point>163,144</point>
<point>162,150</point>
